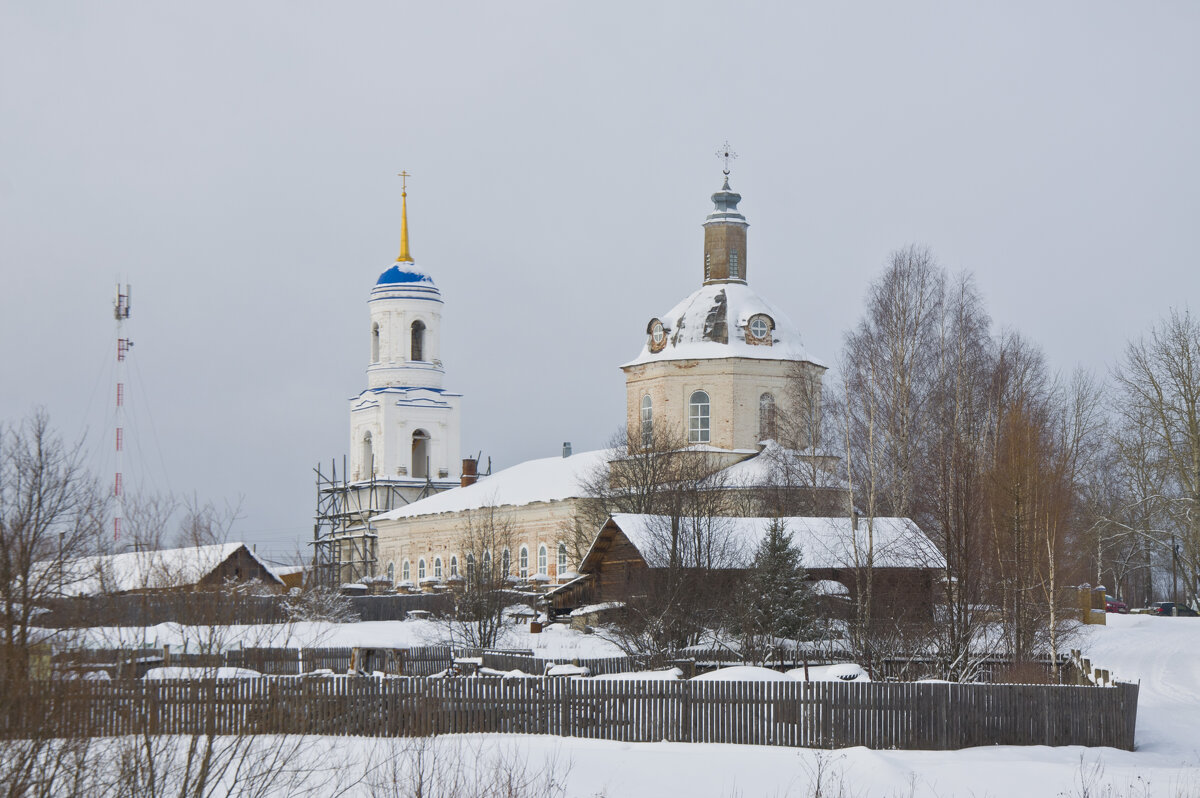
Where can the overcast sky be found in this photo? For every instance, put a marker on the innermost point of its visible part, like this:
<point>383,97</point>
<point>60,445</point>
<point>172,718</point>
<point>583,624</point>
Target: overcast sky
<point>236,163</point>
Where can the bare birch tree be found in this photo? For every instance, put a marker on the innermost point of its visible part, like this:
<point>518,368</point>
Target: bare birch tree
<point>1158,392</point>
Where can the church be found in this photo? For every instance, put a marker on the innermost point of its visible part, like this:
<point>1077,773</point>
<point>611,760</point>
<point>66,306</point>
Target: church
<point>715,376</point>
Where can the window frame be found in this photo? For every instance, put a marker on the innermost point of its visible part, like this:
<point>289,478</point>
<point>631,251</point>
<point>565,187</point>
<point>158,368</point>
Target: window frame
<point>420,569</point>
<point>647,413</point>
<point>699,417</point>
<point>767,410</point>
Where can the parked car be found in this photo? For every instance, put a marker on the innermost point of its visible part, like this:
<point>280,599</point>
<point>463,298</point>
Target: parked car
<point>1172,608</point>
<point>1114,604</point>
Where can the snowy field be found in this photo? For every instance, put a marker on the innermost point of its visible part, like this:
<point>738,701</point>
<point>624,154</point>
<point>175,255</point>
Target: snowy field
<point>1163,654</point>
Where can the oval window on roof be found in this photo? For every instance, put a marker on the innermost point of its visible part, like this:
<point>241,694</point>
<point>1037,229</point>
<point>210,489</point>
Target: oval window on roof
<point>760,327</point>
<point>658,335</point>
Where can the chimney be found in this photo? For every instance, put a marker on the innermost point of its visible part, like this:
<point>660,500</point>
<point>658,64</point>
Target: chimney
<point>470,471</point>
<point>566,448</point>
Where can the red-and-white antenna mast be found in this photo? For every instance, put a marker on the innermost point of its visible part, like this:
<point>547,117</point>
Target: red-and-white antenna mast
<point>121,312</point>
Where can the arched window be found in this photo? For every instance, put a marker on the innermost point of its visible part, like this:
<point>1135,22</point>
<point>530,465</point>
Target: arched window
<point>454,565</point>
<point>698,407</point>
<point>766,417</point>
<point>647,421</point>
<point>486,576</point>
<point>437,567</point>
<point>405,571</point>
<point>418,340</point>
<point>505,563</point>
<point>375,342</point>
<point>471,567</point>
<point>420,569</point>
<point>368,456</point>
<point>523,562</point>
<point>420,454</point>
<point>562,558</point>
<point>543,560</point>
<point>391,573</point>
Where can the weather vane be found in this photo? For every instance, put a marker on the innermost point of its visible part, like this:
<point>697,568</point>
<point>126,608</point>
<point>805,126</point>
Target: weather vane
<point>404,176</point>
<point>726,154</point>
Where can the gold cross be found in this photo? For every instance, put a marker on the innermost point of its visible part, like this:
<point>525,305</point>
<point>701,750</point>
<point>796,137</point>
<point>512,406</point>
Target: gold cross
<point>404,176</point>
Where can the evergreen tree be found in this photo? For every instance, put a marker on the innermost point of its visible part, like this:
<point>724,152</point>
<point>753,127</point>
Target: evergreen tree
<point>774,605</point>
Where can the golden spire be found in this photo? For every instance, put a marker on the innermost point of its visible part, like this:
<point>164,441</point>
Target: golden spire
<point>405,257</point>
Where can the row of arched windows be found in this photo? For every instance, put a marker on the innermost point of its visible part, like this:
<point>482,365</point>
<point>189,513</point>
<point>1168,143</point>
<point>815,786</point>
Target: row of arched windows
<point>426,569</point>
<point>420,454</point>
<point>700,418</point>
<point>416,348</point>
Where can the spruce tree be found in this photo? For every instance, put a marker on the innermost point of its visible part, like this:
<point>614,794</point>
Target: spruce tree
<point>775,604</point>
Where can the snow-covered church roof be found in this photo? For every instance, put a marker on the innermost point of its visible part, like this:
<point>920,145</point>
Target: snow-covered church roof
<point>711,323</point>
<point>545,480</point>
<point>408,274</point>
<point>405,280</point>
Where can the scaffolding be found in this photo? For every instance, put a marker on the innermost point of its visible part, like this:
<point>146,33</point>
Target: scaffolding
<point>345,545</point>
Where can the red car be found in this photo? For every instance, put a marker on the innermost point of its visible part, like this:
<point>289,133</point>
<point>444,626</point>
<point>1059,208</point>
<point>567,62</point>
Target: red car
<point>1114,604</point>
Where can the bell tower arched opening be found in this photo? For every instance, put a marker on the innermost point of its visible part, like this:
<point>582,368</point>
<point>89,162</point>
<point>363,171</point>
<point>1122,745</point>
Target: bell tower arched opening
<point>368,456</point>
<point>418,340</point>
<point>420,454</point>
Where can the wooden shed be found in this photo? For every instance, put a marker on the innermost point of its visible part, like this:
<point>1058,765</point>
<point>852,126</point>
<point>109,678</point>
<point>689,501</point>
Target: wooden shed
<point>629,551</point>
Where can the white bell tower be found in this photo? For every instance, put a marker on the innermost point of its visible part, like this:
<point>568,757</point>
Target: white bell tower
<point>405,427</point>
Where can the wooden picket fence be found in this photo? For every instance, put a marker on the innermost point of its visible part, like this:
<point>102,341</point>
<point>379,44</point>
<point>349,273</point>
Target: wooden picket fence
<point>932,716</point>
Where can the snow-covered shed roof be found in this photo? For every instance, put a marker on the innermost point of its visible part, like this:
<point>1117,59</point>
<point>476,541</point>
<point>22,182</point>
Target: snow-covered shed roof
<point>824,542</point>
<point>544,480</point>
<point>694,328</point>
<point>150,570</point>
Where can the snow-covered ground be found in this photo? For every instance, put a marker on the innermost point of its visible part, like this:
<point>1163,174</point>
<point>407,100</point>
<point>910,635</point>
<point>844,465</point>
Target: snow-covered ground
<point>1163,654</point>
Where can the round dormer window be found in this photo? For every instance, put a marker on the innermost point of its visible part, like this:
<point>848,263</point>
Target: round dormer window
<point>760,327</point>
<point>658,335</point>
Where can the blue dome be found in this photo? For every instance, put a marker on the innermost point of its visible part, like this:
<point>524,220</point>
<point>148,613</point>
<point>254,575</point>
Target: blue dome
<point>397,275</point>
